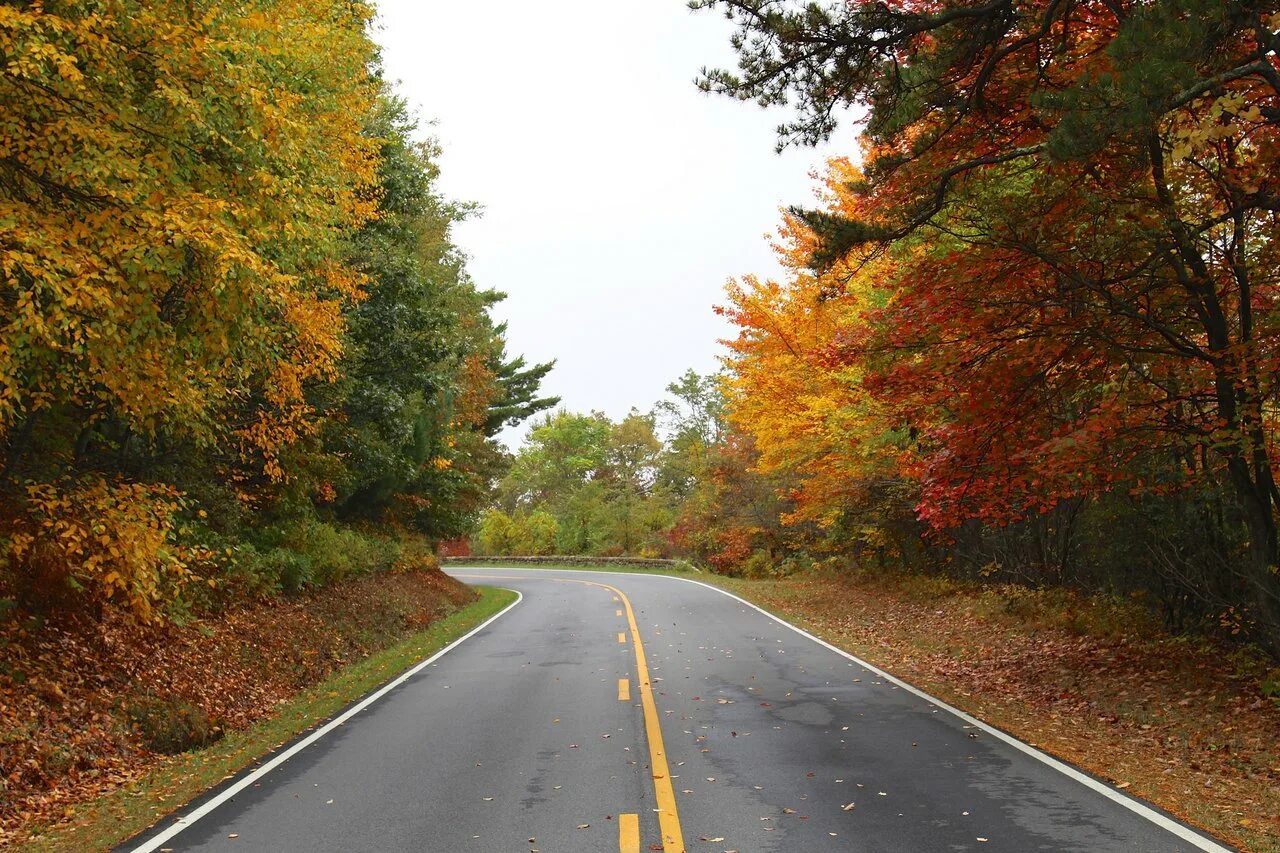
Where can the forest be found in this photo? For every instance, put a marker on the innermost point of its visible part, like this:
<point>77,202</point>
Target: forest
<point>239,353</point>
<point>1029,332</point>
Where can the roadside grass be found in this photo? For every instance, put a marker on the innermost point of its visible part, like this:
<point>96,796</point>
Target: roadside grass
<point>1093,680</point>
<point>104,823</point>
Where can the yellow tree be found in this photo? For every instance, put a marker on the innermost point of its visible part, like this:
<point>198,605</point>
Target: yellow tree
<point>790,389</point>
<point>176,183</point>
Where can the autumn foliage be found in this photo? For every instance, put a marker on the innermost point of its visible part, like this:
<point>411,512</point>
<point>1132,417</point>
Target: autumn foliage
<point>1038,322</point>
<point>230,309</point>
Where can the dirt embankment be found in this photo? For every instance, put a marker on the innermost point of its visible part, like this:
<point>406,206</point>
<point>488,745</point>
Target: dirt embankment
<point>87,707</point>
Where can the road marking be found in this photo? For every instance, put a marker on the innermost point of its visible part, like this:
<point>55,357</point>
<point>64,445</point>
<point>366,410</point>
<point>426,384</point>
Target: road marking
<point>1186,833</point>
<point>668,815</point>
<point>664,794</point>
<point>628,833</point>
<point>622,638</point>
<point>624,690</point>
<point>617,613</point>
<point>157,841</point>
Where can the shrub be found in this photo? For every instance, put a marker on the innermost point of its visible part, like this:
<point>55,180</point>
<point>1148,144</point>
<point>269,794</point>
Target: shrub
<point>795,564</point>
<point>333,553</point>
<point>758,565</point>
<point>537,533</point>
<point>293,571</point>
<point>99,540</point>
<point>416,555</point>
<point>496,533</point>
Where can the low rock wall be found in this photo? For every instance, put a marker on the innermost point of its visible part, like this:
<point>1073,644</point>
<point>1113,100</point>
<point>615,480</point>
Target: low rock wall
<point>635,562</point>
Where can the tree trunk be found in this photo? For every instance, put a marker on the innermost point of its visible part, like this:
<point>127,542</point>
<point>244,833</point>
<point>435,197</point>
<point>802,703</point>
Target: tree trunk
<point>1263,569</point>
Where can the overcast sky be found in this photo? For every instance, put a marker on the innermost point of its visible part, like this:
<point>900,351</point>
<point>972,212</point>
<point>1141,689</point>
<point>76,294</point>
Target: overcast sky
<point>617,198</point>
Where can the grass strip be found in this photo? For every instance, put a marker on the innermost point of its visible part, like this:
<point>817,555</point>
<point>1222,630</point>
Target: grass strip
<point>111,819</point>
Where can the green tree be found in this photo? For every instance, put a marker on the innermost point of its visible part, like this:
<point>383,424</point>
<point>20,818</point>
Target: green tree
<point>693,418</point>
<point>562,451</point>
<point>517,398</point>
<point>582,521</point>
<point>495,534</point>
<point>632,453</point>
<point>426,381</point>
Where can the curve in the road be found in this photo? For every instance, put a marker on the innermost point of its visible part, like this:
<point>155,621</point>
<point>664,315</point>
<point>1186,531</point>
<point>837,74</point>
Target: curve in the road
<point>780,741</point>
<point>664,794</point>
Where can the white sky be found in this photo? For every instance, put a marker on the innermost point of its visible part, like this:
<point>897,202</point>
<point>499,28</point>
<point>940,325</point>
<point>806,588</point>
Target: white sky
<point>617,198</point>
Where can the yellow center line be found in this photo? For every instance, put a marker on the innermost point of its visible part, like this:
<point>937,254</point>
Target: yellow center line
<point>668,815</point>
<point>624,690</point>
<point>628,833</point>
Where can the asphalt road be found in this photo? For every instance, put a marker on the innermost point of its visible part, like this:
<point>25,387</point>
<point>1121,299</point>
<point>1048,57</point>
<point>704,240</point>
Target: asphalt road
<point>541,733</point>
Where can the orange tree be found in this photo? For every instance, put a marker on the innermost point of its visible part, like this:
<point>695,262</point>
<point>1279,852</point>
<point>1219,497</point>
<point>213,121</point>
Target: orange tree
<point>234,317</point>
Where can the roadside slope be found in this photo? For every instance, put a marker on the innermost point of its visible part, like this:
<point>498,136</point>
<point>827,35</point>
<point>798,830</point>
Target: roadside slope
<point>90,707</point>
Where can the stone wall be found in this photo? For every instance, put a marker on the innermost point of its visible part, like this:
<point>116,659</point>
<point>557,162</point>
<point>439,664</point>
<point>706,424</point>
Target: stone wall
<point>634,562</point>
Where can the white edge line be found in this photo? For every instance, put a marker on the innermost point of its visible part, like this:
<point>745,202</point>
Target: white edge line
<point>185,821</point>
<point>1141,809</point>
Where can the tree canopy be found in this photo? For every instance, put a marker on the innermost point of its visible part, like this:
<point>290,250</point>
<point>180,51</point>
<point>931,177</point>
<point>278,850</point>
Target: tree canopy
<point>1053,277</point>
<point>233,310</point>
